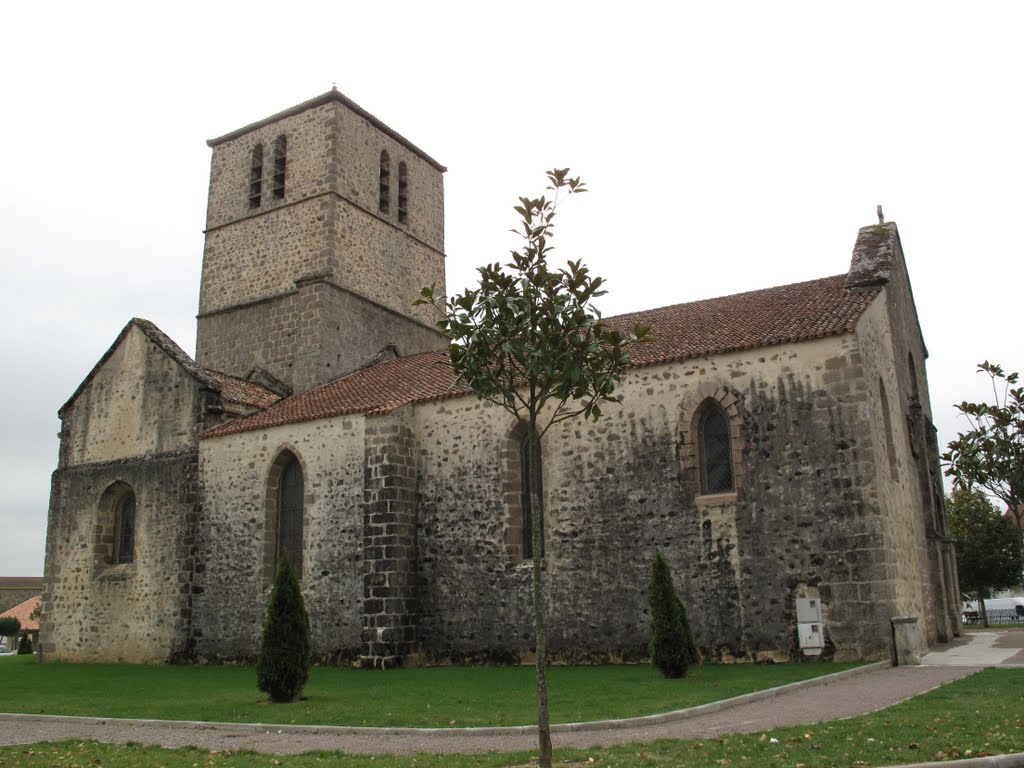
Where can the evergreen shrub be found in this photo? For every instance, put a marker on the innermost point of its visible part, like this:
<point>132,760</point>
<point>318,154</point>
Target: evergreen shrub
<point>672,648</point>
<point>24,645</point>
<point>283,667</point>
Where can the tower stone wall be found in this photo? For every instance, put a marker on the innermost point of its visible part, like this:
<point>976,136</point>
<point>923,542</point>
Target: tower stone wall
<point>317,219</point>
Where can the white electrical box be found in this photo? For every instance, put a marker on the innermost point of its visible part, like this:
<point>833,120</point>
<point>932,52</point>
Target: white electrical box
<point>808,610</point>
<point>811,638</point>
<point>808,626</point>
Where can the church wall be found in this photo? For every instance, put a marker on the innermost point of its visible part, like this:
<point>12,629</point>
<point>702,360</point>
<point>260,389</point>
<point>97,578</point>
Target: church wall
<point>97,610</point>
<point>803,521</point>
<point>233,534</point>
<point>293,352</point>
<point>139,402</point>
<point>909,476</point>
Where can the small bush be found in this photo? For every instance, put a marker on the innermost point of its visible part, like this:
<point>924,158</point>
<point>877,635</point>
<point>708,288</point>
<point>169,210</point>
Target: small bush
<point>24,645</point>
<point>672,646</point>
<point>9,626</point>
<point>283,667</point>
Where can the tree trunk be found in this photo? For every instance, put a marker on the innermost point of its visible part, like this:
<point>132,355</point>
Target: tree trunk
<point>982,611</point>
<point>536,534</point>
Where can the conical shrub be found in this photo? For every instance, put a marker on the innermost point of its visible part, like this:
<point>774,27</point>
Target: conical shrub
<point>672,646</point>
<point>283,667</point>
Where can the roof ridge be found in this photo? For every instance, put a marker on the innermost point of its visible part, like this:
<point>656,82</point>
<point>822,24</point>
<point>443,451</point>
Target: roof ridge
<point>765,317</point>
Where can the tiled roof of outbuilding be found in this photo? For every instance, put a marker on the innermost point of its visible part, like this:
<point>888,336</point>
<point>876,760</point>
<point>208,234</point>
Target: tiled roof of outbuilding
<point>23,612</point>
<point>764,318</point>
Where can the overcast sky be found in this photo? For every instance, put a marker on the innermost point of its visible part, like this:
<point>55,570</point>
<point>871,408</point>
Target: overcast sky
<point>727,147</point>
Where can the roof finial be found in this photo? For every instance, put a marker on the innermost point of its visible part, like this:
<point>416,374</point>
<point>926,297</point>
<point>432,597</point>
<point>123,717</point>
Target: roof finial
<point>881,218</point>
<point>334,86</point>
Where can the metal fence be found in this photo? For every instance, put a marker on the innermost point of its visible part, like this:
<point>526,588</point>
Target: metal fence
<point>997,616</point>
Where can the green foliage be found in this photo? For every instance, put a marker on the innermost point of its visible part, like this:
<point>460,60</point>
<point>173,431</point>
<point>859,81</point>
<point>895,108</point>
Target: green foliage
<point>283,667</point>
<point>9,626</point>
<point>672,647</point>
<point>988,544</point>
<point>24,645</point>
<point>991,454</point>
<point>529,339</point>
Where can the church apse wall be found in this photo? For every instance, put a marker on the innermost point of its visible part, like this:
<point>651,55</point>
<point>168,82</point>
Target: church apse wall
<point>123,509</point>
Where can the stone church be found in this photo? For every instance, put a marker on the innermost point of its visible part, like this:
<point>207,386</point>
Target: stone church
<point>775,446</point>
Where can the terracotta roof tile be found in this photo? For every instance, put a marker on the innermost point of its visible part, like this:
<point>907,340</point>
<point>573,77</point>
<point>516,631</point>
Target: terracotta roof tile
<point>22,611</point>
<point>244,392</point>
<point>764,318</point>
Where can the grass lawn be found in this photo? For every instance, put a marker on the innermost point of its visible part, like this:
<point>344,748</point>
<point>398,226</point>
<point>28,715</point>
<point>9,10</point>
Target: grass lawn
<point>980,715</point>
<point>435,697</point>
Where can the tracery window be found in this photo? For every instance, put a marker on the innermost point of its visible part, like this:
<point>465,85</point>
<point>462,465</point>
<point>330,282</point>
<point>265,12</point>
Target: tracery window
<point>384,197</point>
<point>256,177</point>
<point>280,165</point>
<point>715,452</point>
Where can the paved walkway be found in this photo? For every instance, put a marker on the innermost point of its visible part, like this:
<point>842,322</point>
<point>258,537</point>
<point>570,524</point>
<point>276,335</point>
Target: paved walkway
<point>840,696</point>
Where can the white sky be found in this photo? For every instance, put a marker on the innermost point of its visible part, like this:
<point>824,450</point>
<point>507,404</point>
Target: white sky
<point>727,147</point>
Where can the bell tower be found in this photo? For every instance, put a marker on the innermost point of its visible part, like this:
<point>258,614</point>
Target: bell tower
<point>322,226</point>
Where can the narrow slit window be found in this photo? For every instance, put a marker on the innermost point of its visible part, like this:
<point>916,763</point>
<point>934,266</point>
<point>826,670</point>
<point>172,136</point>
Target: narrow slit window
<point>256,177</point>
<point>124,529</point>
<point>531,464</point>
<point>290,513</point>
<point>384,198</point>
<point>280,165</point>
<point>403,193</point>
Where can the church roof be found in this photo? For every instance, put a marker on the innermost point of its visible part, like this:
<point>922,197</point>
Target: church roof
<point>236,390</point>
<point>764,318</point>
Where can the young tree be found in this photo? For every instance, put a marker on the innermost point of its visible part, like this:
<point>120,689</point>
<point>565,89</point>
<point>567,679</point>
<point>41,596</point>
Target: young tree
<point>529,339</point>
<point>991,454</point>
<point>672,645</point>
<point>283,667</point>
<point>988,545</point>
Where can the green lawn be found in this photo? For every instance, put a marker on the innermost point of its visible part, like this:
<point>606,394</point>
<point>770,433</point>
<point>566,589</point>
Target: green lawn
<point>437,696</point>
<point>980,715</point>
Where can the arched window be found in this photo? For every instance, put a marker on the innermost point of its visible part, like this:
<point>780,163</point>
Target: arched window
<point>256,177</point>
<point>280,164</point>
<point>124,529</point>
<point>116,525</point>
<point>403,193</point>
<point>289,514</point>
<point>384,199</point>
<point>715,452</point>
<point>530,465</point>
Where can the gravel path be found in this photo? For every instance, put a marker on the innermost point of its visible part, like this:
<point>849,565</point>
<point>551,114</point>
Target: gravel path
<point>838,698</point>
